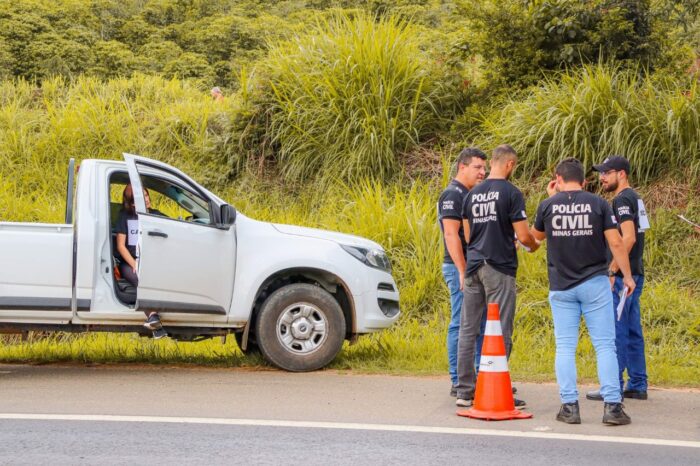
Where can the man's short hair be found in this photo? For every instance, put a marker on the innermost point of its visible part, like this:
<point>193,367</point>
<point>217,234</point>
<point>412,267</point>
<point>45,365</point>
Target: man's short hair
<point>504,153</point>
<point>465,157</point>
<point>570,170</point>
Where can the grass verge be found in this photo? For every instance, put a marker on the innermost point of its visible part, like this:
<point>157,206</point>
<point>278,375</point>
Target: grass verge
<point>403,220</point>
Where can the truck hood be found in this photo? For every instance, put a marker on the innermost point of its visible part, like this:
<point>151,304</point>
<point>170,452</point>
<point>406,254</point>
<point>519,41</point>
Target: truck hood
<point>340,238</point>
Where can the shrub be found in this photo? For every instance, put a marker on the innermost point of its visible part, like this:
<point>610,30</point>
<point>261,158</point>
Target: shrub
<point>41,128</point>
<point>521,41</point>
<point>599,111</point>
<point>352,96</point>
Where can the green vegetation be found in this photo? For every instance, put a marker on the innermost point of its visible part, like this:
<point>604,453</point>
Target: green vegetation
<point>346,116</point>
<point>351,96</point>
<point>600,110</point>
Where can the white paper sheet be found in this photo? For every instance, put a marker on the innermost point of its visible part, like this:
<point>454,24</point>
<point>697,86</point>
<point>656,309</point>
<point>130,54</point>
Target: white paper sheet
<point>643,218</point>
<point>621,304</point>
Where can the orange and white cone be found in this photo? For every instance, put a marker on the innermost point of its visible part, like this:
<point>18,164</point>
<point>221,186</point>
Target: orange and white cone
<point>493,400</point>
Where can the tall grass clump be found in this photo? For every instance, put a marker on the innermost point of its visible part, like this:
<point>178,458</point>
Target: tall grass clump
<point>352,96</point>
<point>599,111</point>
<point>42,127</point>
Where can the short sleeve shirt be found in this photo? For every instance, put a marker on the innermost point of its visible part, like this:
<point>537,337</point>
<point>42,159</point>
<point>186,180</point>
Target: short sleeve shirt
<point>491,209</point>
<point>450,207</point>
<point>128,224</point>
<point>627,206</point>
<point>575,223</point>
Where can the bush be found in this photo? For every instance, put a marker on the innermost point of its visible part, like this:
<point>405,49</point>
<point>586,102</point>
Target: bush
<point>41,128</point>
<point>599,111</point>
<point>351,97</point>
<point>521,41</point>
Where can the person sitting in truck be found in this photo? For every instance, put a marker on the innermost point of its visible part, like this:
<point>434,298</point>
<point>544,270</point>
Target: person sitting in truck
<point>127,230</point>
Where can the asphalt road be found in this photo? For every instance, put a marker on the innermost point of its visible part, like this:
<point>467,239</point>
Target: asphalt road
<point>155,415</point>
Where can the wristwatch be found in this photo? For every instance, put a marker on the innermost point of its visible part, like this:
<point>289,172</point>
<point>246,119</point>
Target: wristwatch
<point>611,273</point>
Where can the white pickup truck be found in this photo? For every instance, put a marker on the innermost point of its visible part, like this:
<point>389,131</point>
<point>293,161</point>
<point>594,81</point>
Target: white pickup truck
<point>295,294</point>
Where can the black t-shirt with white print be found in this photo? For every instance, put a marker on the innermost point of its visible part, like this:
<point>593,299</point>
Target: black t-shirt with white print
<point>128,224</point>
<point>575,223</point>
<point>626,206</point>
<point>491,208</point>
<point>450,207</point>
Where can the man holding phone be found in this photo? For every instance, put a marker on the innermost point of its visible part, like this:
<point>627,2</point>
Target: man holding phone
<point>577,226</point>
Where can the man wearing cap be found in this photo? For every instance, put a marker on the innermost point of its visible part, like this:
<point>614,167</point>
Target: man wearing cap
<point>577,225</point>
<point>471,169</point>
<point>494,214</point>
<point>632,221</point>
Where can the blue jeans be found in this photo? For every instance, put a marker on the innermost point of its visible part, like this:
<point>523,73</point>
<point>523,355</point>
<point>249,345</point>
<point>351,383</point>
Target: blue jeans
<point>451,275</point>
<point>629,338</point>
<point>593,300</point>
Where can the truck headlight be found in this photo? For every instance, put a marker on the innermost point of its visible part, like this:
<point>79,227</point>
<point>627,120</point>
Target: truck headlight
<point>371,257</point>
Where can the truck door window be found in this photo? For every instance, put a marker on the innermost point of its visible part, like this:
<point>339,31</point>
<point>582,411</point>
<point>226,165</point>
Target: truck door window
<point>177,202</point>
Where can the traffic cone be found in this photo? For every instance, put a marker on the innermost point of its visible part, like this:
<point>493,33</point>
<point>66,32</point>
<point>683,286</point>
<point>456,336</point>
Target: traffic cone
<point>493,400</point>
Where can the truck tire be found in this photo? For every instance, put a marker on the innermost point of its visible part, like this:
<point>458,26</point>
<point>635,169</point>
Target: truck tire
<point>252,347</point>
<point>300,328</point>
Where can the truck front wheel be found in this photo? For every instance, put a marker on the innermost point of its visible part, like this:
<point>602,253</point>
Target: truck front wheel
<point>300,328</point>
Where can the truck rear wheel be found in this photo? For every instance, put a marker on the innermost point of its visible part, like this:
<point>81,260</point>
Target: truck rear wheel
<point>300,328</point>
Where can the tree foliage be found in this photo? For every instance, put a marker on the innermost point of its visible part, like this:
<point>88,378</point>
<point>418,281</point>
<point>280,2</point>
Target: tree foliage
<point>522,40</point>
<point>201,39</point>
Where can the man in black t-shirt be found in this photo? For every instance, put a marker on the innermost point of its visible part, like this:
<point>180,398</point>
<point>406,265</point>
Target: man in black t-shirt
<point>632,222</point>
<point>471,169</point>
<point>577,225</point>
<point>494,214</point>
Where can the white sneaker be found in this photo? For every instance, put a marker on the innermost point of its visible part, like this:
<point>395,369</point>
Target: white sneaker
<point>464,403</point>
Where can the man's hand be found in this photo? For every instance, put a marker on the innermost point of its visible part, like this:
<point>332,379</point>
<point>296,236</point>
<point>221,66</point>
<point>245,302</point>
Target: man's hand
<point>522,234</point>
<point>552,188</point>
<point>628,281</point>
<point>461,280</point>
<point>613,268</point>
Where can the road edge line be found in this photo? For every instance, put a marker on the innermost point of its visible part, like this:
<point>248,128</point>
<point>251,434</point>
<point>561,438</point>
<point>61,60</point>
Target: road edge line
<point>348,426</point>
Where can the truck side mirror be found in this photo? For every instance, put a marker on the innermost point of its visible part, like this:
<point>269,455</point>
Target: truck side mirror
<point>227,216</point>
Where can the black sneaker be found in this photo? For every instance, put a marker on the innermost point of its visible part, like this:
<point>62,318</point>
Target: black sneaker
<point>453,392</point>
<point>569,413</point>
<point>159,333</point>
<point>614,415</point>
<point>594,395</point>
<point>519,404</point>
<point>636,394</point>
<point>153,322</point>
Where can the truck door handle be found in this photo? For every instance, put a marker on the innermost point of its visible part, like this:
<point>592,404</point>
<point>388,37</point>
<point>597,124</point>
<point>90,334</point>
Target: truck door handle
<point>157,233</point>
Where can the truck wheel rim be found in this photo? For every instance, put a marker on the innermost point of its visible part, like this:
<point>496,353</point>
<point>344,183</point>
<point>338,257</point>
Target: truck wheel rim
<point>302,328</point>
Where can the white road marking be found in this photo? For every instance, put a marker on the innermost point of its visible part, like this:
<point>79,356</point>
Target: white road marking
<point>349,426</point>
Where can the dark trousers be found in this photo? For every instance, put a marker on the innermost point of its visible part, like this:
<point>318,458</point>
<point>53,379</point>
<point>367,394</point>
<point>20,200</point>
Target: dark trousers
<point>128,274</point>
<point>486,285</point>
<point>629,338</point>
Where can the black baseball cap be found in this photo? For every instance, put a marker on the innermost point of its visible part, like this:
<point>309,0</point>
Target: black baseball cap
<point>614,162</point>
